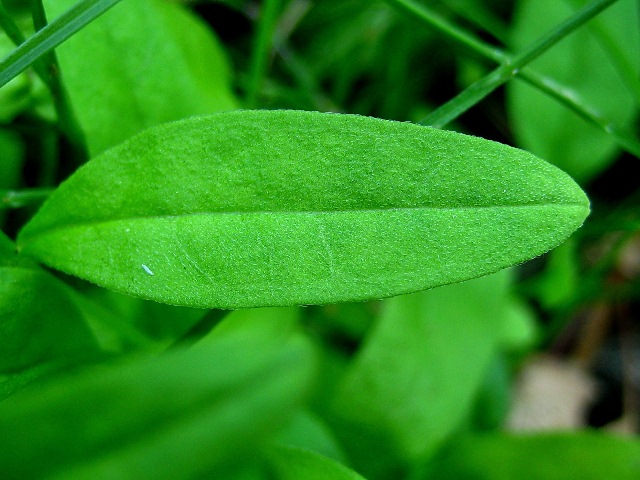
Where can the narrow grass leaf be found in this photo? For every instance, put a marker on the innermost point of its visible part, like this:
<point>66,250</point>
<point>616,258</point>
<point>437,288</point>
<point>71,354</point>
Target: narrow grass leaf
<point>79,15</point>
<point>14,96</point>
<point>268,208</point>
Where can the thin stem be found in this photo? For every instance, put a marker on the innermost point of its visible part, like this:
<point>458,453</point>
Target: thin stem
<point>511,67</point>
<point>39,17</point>
<point>556,34</point>
<point>452,31</point>
<point>66,117</point>
<point>9,26</point>
<point>562,94</point>
<point>48,70</point>
<point>478,13</point>
<point>567,97</point>
<point>263,45</point>
<point>298,69</point>
<point>23,198</point>
<point>51,36</point>
<point>303,78</point>
<point>15,35</point>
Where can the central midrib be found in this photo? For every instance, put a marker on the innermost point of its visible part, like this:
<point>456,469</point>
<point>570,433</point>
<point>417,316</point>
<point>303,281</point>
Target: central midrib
<point>98,221</point>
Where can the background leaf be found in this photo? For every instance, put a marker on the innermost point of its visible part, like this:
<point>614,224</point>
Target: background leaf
<point>307,431</point>
<point>258,208</point>
<point>173,416</point>
<point>556,456</point>
<point>160,64</point>
<point>39,320</point>
<point>584,63</point>
<point>414,380</point>
<point>297,464</point>
<point>50,36</point>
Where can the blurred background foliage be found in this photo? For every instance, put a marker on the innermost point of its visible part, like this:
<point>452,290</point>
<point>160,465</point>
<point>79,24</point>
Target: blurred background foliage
<point>429,385</point>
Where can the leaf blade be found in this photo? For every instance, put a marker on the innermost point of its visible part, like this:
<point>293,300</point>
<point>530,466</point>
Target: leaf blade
<point>179,414</point>
<point>415,377</point>
<point>256,208</point>
<point>592,455</point>
<point>129,49</point>
<point>290,463</point>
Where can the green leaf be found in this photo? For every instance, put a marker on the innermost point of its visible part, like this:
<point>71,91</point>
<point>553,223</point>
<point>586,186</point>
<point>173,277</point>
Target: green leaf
<point>7,249</point>
<point>556,456</point>
<point>39,320</point>
<point>309,432</point>
<point>520,330</point>
<point>289,463</point>
<point>160,63</point>
<point>14,382</point>
<point>493,399</point>
<point>174,416</point>
<point>415,378</point>
<point>266,208</point>
<point>559,281</point>
<point>158,322</point>
<point>584,63</point>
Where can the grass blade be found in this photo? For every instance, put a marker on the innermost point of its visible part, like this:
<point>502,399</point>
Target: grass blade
<point>51,36</point>
<point>549,86</point>
<point>511,67</point>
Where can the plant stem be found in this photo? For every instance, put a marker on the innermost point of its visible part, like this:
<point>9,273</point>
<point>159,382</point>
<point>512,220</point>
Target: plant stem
<point>616,55</point>
<point>66,117</point>
<point>51,36</point>
<point>452,31</point>
<point>23,198</point>
<point>262,49</point>
<point>567,97</point>
<point>479,14</point>
<point>545,84</point>
<point>48,70</point>
<point>9,26</point>
<point>511,66</point>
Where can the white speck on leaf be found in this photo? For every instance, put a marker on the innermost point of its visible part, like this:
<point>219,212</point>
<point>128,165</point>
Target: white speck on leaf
<point>147,269</point>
